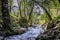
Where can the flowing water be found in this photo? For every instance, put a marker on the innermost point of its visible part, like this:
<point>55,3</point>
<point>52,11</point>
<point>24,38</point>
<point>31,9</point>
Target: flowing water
<point>30,34</point>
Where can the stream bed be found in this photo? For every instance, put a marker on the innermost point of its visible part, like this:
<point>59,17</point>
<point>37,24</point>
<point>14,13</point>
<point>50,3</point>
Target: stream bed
<point>30,34</point>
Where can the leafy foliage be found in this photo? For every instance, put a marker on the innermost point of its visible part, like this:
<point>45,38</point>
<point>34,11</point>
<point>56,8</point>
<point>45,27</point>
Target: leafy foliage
<point>25,15</point>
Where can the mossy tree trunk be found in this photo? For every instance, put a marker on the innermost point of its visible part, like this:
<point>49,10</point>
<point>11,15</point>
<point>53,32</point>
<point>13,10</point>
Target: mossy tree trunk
<point>5,15</point>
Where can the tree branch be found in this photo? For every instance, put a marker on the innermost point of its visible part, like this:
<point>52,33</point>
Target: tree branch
<point>49,16</point>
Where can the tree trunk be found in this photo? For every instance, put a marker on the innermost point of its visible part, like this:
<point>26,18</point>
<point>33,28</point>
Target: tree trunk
<point>5,15</point>
<point>30,14</point>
